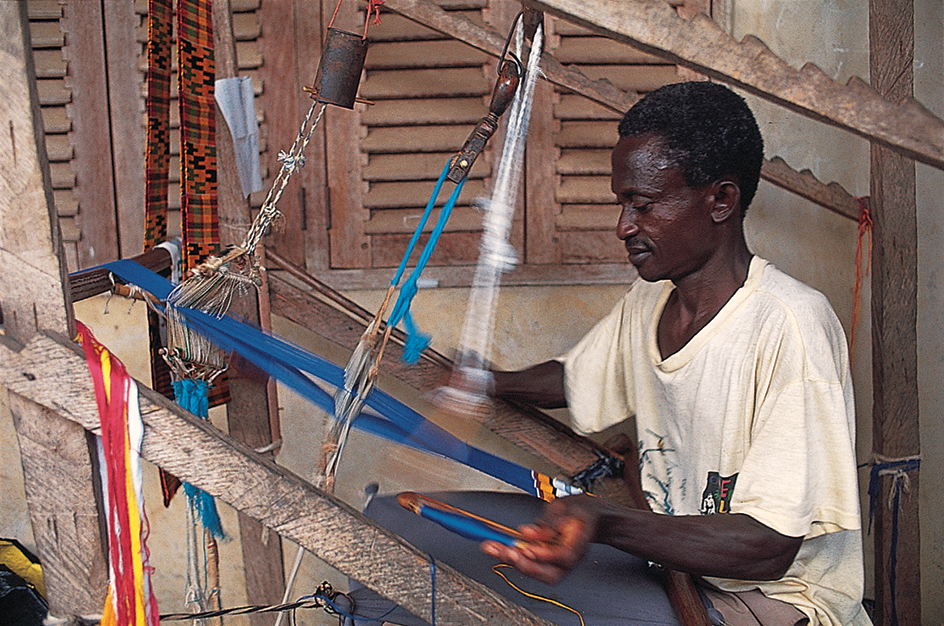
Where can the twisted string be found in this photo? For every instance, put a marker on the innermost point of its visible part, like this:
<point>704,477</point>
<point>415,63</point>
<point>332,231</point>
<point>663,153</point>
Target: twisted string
<point>898,469</point>
<point>865,228</point>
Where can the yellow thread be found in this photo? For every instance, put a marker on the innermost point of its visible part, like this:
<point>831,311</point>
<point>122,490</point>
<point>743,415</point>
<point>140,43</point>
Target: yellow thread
<point>497,567</point>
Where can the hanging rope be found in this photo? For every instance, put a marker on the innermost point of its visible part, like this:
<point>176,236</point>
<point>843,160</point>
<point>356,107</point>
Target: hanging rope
<point>898,469</point>
<point>865,228</point>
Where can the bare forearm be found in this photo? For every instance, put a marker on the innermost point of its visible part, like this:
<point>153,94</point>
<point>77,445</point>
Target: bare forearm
<point>541,385</point>
<point>724,545</point>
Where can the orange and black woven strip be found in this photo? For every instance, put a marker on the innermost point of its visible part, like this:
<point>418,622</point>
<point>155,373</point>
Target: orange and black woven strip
<point>157,164</point>
<point>195,81</point>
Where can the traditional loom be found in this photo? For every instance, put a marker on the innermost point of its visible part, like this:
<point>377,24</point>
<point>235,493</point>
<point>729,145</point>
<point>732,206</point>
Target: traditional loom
<point>167,453</point>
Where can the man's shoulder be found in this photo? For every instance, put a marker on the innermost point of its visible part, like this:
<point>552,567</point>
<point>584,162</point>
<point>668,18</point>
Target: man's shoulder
<point>791,293</point>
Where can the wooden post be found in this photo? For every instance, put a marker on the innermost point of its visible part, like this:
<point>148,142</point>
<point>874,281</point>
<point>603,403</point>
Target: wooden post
<point>58,471</point>
<point>895,433</point>
<point>247,412</point>
<point>91,134</point>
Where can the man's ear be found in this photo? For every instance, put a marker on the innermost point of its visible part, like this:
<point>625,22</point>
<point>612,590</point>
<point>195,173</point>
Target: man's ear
<point>727,200</point>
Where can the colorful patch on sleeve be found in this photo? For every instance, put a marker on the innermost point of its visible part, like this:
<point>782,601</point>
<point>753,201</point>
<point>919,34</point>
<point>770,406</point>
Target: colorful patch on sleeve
<point>717,495</point>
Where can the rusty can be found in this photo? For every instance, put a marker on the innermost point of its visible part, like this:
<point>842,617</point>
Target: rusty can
<point>339,72</point>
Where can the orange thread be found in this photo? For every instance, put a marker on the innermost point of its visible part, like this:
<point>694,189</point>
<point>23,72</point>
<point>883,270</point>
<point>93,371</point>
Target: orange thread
<point>336,9</point>
<point>496,568</point>
<point>373,6</point>
<point>865,227</point>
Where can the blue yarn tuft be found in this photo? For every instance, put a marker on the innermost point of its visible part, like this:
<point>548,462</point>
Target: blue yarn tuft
<point>205,507</point>
<point>415,344</point>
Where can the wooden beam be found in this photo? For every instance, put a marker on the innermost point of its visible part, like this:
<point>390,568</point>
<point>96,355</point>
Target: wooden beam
<point>247,412</point>
<point>125,111</point>
<point>700,44</point>
<point>91,134</point>
<point>57,463</point>
<point>776,171</point>
<point>52,372</point>
<point>895,431</point>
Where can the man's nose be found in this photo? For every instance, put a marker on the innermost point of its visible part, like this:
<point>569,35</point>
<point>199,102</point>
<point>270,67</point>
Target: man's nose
<point>626,224</point>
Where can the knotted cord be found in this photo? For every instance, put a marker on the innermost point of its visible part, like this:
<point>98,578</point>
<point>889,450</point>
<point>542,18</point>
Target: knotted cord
<point>898,469</point>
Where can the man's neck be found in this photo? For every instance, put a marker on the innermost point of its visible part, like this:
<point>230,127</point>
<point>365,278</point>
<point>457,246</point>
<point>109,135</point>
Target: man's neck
<point>699,297</point>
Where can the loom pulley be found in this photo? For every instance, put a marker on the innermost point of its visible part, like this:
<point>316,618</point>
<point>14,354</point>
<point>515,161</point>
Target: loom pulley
<point>339,72</point>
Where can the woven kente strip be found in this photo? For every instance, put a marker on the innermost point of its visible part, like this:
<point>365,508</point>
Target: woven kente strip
<point>157,160</point>
<point>157,169</point>
<point>195,76</point>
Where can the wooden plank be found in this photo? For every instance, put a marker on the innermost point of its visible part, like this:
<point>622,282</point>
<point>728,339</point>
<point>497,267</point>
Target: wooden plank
<point>197,452</point>
<point>895,410</point>
<point>57,463</point>
<point>587,134</point>
<point>492,42</point>
<point>29,240</point>
<point>394,221</point>
<point>246,26</point>
<point>62,177</point>
<point>349,245</point>
<point>572,106</point>
<point>49,63</point>
<point>425,83</point>
<point>65,202</point>
<point>91,133</point>
<point>53,92</point>
<point>701,45</point>
<point>58,148</point>
<point>425,112</point>
<point>44,9</point>
<point>585,190</point>
<point>289,64</point>
<point>249,55</point>
<point>127,114</point>
<point>637,78</point>
<point>395,27</point>
<point>416,194</point>
<point>55,120</point>
<point>620,273</point>
<point>595,50</point>
<point>410,139</point>
<point>452,248</point>
<point>423,54</point>
<point>542,244</point>
<point>416,166</point>
<point>247,412</point>
<point>584,162</point>
<point>46,34</point>
<point>831,196</point>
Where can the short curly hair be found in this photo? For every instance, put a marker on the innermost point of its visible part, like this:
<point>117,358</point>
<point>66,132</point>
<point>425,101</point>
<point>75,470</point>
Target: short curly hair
<point>708,131</point>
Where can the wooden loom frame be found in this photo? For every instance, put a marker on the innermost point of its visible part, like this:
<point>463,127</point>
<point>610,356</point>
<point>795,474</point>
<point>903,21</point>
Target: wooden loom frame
<point>41,396</point>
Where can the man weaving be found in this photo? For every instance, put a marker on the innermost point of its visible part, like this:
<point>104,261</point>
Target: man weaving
<point>737,376</point>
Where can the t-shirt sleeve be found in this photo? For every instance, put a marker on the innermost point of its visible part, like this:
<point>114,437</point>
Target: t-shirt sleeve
<point>594,375</point>
<point>805,422</point>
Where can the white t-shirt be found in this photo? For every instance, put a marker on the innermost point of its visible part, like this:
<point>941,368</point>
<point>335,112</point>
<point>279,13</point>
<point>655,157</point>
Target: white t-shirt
<point>754,415</point>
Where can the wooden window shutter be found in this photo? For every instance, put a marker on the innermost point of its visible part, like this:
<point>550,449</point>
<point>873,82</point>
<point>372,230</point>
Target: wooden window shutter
<point>571,210</point>
<point>428,91</point>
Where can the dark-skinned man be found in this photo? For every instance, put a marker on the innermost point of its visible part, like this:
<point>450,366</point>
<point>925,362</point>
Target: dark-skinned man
<point>736,374</point>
